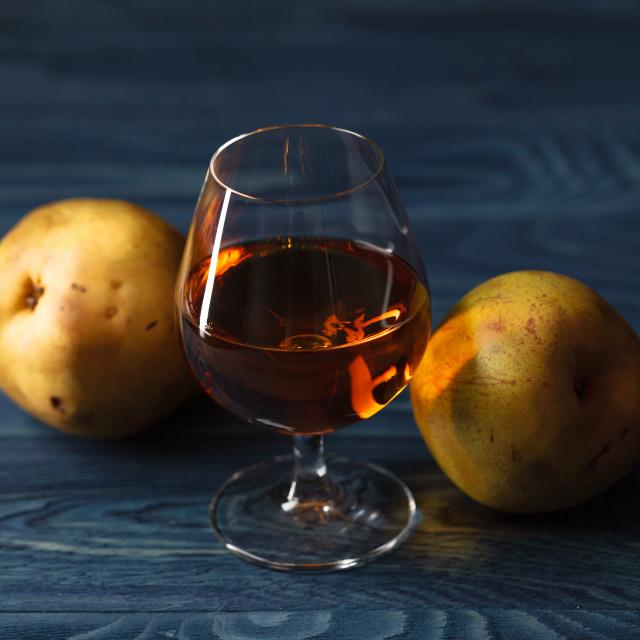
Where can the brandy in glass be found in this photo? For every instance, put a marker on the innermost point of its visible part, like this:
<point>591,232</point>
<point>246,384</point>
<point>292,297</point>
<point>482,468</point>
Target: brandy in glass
<point>304,308</point>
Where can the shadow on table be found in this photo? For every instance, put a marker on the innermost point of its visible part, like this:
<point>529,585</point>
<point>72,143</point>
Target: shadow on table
<point>443,505</point>
<point>575,557</point>
<point>199,442</point>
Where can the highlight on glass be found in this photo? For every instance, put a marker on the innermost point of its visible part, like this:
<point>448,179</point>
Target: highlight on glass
<point>304,308</point>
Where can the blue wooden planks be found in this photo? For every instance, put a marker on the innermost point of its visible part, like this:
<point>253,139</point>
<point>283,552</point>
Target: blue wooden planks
<point>89,526</point>
<point>335,624</point>
<point>513,132</point>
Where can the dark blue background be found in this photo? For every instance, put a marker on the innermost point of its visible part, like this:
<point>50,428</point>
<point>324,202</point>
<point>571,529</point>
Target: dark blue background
<point>513,132</point>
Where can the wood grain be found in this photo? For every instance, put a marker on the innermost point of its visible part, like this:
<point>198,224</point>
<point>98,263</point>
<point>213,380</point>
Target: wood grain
<point>337,624</point>
<point>513,132</point>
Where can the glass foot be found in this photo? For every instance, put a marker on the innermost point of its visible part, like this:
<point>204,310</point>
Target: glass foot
<point>360,512</point>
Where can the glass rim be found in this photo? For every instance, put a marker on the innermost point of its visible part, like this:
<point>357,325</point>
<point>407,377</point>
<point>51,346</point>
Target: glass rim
<point>297,201</point>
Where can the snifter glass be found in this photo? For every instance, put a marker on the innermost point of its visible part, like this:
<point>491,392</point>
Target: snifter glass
<point>304,307</point>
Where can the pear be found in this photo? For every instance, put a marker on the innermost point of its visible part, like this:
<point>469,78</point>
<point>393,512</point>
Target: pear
<point>529,394</point>
<point>88,341</point>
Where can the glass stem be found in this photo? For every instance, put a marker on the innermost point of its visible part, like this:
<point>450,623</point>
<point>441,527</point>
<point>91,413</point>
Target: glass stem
<point>310,484</point>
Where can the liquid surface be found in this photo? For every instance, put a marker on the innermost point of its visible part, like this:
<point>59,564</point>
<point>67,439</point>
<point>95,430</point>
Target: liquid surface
<point>304,336</point>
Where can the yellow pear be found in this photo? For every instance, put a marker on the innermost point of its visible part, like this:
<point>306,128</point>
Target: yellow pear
<point>529,394</point>
<point>88,342</point>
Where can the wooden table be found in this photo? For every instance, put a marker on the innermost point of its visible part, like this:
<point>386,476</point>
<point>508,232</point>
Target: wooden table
<point>514,135</point>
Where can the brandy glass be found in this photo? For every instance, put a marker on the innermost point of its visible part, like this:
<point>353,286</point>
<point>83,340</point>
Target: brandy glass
<point>304,307</point>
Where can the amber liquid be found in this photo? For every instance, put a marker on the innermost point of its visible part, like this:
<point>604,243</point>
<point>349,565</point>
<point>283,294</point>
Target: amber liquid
<point>304,336</point>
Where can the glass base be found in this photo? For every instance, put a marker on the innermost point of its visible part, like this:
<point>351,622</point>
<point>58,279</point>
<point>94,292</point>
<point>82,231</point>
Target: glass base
<point>361,512</point>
